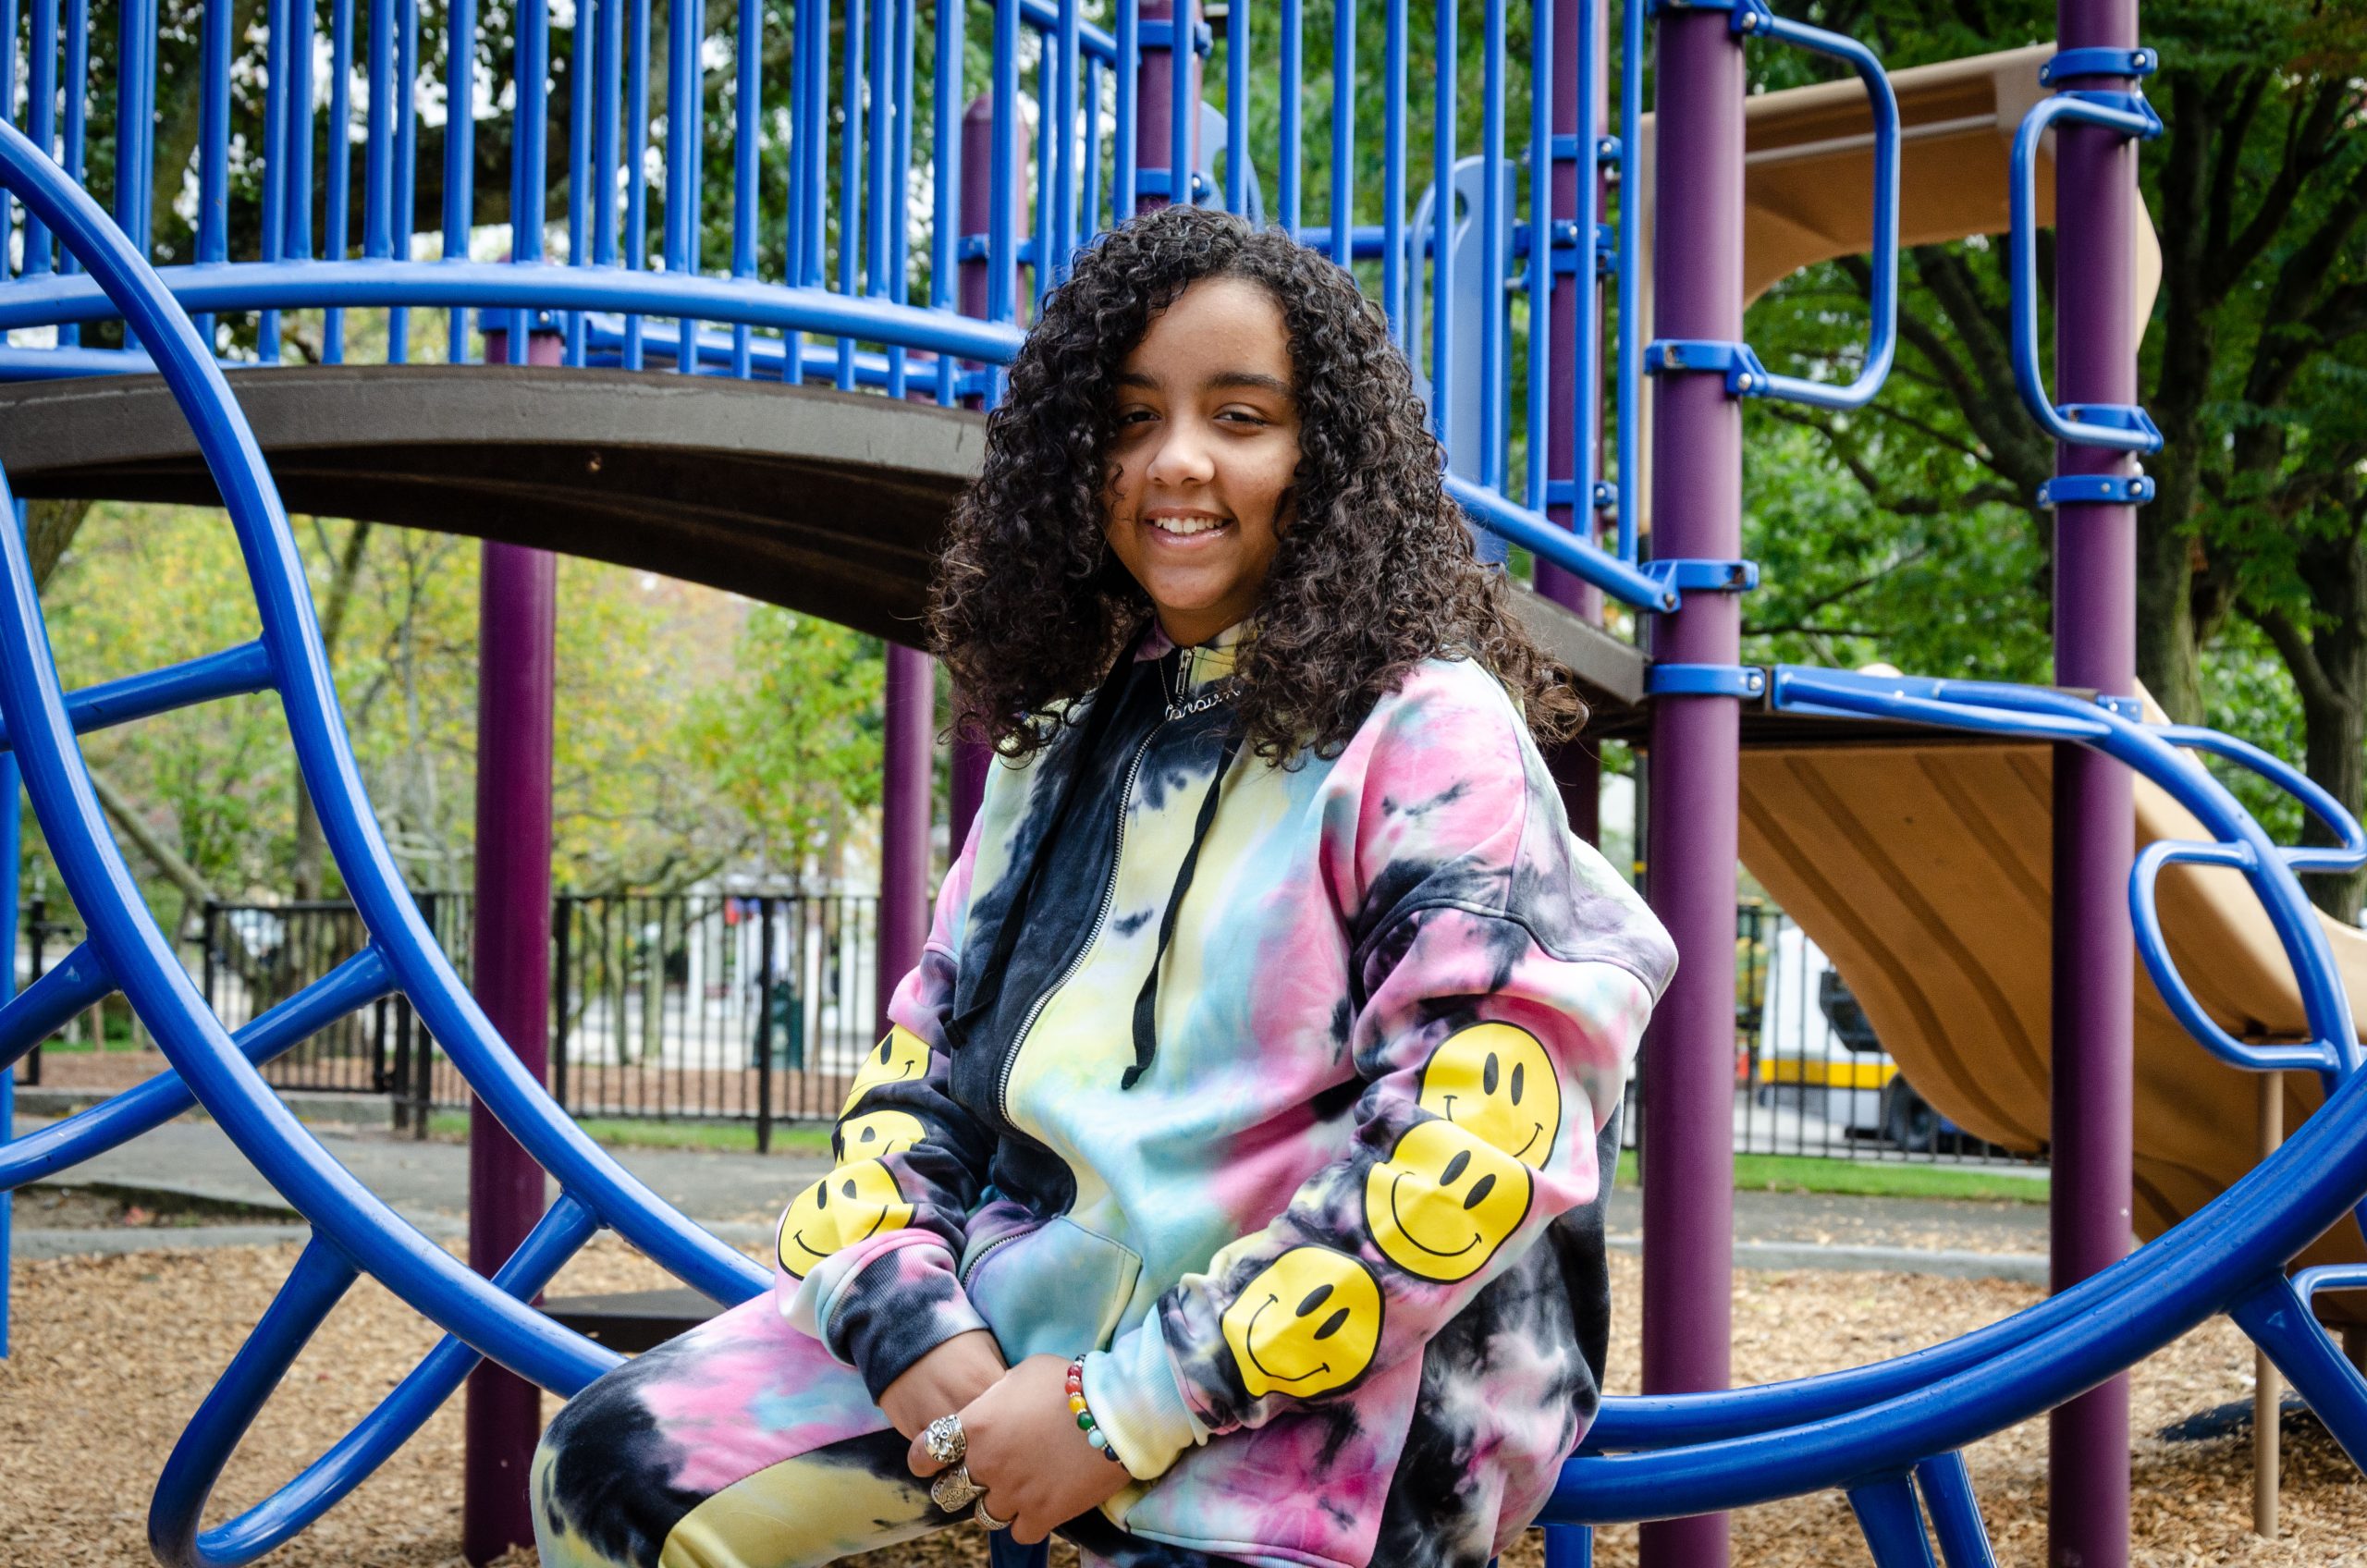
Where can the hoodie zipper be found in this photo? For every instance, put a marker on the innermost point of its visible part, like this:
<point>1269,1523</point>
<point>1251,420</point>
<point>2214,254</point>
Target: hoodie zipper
<point>1220,692</point>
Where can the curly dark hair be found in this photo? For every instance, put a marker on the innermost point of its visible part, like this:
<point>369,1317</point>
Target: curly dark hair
<point>1374,573</point>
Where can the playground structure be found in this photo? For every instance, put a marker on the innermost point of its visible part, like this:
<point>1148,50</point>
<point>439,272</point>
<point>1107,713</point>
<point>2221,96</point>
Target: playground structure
<point>687,472</point>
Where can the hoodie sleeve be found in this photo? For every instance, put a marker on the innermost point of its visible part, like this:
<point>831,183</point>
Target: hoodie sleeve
<point>864,1259</point>
<point>1500,978</point>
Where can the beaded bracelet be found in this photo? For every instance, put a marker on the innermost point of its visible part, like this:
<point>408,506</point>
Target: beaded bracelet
<point>1084,1422</point>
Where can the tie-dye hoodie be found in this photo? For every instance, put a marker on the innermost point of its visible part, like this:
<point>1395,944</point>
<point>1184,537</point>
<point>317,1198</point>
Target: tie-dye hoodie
<point>1282,1100</point>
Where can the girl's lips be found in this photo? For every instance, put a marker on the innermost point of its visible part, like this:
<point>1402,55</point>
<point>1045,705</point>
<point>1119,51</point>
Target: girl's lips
<point>1206,536</point>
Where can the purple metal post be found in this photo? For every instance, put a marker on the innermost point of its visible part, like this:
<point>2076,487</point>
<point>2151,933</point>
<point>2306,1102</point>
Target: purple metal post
<point>1578,766</point>
<point>910,705</point>
<point>516,623</point>
<point>968,786</point>
<point>1697,513</point>
<point>2092,1012</point>
<point>1155,94</point>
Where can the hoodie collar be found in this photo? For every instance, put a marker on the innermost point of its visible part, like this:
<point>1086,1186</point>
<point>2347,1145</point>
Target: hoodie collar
<point>1203,663</point>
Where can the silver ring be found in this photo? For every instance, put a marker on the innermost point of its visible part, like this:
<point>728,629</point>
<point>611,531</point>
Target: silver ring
<point>945,1441</point>
<point>988,1520</point>
<point>953,1490</point>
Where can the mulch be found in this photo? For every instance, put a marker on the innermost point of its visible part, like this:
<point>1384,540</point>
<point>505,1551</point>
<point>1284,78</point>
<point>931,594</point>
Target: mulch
<point>111,1354</point>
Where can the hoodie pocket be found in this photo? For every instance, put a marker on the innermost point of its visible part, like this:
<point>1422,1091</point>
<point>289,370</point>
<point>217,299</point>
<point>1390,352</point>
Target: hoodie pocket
<point>1057,1290</point>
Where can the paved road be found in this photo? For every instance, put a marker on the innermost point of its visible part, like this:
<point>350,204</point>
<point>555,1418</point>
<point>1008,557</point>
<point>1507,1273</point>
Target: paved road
<point>737,1194</point>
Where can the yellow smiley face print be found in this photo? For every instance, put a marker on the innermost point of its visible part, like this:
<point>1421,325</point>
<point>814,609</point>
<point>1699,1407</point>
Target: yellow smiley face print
<point>849,1205</point>
<point>1308,1322</point>
<point>1444,1200</point>
<point>876,1135</point>
<point>1496,1081</point>
<point>902,1055</point>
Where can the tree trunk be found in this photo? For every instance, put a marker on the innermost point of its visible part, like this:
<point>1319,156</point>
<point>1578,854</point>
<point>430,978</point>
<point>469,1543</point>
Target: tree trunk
<point>2334,713</point>
<point>2169,657</point>
<point>50,528</point>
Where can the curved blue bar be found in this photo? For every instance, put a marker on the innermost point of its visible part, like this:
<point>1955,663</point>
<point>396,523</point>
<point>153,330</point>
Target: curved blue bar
<point>62,1146</point>
<point>2278,771</point>
<point>1881,344</point>
<point>30,1016</point>
<point>2152,947</point>
<point>127,939</point>
<point>212,1434</point>
<point>498,285</point>
<point>2022,196</point>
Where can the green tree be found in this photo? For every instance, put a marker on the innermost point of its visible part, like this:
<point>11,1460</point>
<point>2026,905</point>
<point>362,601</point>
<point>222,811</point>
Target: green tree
<point>2252,366</point>
<point>793,738</point>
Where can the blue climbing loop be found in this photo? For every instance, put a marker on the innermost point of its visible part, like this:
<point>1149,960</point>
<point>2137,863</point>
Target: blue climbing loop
<point>1889,1435</point>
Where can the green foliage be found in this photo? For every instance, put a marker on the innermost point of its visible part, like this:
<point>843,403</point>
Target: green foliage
<point>792,740</point>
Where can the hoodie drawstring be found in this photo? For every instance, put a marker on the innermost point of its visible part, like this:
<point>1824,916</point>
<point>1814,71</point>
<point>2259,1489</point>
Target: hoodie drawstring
<point>1147,1001</point>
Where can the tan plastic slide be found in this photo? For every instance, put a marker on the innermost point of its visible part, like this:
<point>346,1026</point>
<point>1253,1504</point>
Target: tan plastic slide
<point>1922,868</point>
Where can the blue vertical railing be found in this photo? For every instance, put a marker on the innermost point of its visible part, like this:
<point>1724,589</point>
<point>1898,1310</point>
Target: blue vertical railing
<point>810,186</point>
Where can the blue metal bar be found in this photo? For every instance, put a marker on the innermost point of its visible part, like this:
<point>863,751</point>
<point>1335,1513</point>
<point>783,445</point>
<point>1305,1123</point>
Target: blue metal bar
<point>460,150</point>
<point>495,285</point>
<point>61,1146</point>
<point>77,116</point>
<point>1442,234</point>
<point>1627,418</point>
<point>637,167</point>
<point>945,107</point>
<point>1569,1546</point>
<point>1236,104</point>
<point>1547,540</point>
<point>1343,118</point>
<point>1183,105</point>
<point>1002,260</point>
<point>685,118</point>
<point>1092,224</point>
<point>528,155</point>
<point>198,1460</point>
<point>1044,16</point>
<point>1947,1486</point>
<point>41,122</point>
<point>1065,173</point>
<point>1541,253</point>
<point>386,101</point>
<point>1493,224</point>
<point>2276,1315</point>
<point>583,70</point>
<point>899,220</point>
<point>406,163</point>
<point>2115,429</point>
<point>748,46</point>
<point>231,673</point>
<point>211,145</point>
<point>1293,81</point>
<point>879,146</point>
<point>9,18</point>
<point>1397,281</point>
<point>1893,1522</point>
<point>1122,135</point>
<point>297,205</point>
<point>30,1016</point>
<point>1049,96</point>
<point>336,216</point>
<point>274,162</point>
<point>850,172</point>
<point>135,145</point>
<point>608,83</point>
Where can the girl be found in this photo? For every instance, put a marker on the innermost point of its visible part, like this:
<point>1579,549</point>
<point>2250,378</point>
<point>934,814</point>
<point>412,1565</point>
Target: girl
<point>1228,1189</point>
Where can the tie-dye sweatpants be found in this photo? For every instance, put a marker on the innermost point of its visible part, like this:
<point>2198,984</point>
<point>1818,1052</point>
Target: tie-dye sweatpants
<point>742,1444</point>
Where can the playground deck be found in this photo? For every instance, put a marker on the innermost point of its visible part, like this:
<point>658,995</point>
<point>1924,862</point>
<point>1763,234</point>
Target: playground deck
<point>114,1353</point>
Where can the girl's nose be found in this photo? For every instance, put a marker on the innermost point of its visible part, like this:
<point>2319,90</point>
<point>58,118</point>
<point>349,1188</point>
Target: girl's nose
<point>1184,456</point>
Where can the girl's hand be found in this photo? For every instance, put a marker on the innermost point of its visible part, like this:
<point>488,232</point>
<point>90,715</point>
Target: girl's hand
<point>1026,1450</point>
<point>938,1384</point>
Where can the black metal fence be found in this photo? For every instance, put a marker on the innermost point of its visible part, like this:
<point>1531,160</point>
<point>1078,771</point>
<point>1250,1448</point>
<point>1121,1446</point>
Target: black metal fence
<point>755,1009</point>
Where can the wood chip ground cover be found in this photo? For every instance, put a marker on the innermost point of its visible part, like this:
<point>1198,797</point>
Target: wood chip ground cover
<point>112,1354</point>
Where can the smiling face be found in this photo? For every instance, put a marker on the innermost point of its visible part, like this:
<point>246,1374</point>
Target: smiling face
<point>1204,456</point>
<point>1443,1201</point>
<point>849,1205</point>
<point>901,1055</point>
<point>1496,1081</point>
<point>1307,1323</point>
<point>876,1135</point>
